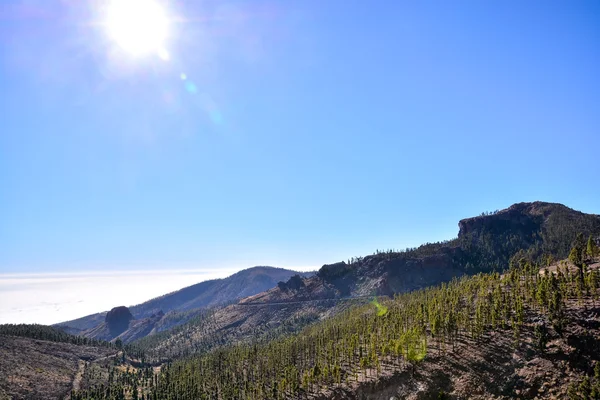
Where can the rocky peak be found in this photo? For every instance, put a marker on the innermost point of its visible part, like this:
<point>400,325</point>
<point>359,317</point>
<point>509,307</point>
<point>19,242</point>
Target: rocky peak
<point>518,217</point>
<point>118,320</point>
<point>331,271</point>
<point>294,283</point>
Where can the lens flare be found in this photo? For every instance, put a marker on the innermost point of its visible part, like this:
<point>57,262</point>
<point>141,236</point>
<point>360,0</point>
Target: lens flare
<point>190,87</point>
<point>139,27</point>
<point>381,309</point>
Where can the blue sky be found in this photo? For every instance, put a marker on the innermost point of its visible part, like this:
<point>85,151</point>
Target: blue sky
<point>305,132</point>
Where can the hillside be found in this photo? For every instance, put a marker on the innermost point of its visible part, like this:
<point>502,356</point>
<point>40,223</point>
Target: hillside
<point>38,362</point>
<point>124,326</point>
<point>239,323</point>
<point>525,334</point>
<point>216,292</point>
<point>178,306</point>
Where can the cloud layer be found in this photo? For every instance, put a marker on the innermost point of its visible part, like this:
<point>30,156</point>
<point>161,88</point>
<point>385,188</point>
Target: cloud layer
<point>57,297</point>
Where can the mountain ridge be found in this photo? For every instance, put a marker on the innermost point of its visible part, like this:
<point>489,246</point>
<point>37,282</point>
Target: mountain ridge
<point>489,243</point>
<point>178,306</point>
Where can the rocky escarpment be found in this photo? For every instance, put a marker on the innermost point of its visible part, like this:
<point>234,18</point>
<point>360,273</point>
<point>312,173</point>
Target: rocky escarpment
<point>529,218</point>
<point>384,274</point>
<point>525,218</point>
<point>535,230</point>
<point>294,283</point>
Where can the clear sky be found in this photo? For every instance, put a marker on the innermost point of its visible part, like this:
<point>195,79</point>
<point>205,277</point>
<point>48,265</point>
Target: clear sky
<point>289,133</point>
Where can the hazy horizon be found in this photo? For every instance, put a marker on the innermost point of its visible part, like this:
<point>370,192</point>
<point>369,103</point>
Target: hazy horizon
<point>49,298</point>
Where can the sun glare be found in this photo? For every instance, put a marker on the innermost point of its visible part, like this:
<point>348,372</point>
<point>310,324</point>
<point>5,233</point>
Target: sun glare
<point>140,27</point>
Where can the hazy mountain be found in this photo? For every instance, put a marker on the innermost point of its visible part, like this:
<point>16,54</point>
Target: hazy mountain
<point>178,306</point>
<point>217,292</point>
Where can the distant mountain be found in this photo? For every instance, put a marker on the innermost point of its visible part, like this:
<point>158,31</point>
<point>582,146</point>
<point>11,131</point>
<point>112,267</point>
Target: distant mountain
<point>217,292</point>
<point>177,307</point>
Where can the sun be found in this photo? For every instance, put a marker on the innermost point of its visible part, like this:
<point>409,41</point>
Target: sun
<point>139,27</point>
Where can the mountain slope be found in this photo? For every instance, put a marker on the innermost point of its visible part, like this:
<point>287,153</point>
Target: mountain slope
<point>216,292</point>
<point>520,335</point>
<point>178,306</point>
<point>125,328</point>
<point>39,362</point>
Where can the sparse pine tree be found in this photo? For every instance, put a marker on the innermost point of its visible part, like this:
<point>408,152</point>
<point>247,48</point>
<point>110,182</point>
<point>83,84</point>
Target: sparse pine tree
<point>576,256</point>
<point>585,388</point>
<point>541,336</point>
<point>592,249</point>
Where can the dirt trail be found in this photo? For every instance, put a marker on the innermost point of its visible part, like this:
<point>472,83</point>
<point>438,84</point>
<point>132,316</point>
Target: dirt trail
<point>285,303</point>
<point>81,370</point>
<point>78,377</point>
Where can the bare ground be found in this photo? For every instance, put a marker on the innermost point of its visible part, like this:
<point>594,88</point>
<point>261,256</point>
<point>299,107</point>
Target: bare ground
<point>38,369</point>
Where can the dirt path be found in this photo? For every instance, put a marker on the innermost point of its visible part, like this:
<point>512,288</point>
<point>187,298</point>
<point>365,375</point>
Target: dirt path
<point>78,377</point>
<point>285,303</point>
<point>81,370</point>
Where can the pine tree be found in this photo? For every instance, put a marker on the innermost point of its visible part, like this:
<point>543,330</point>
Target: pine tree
<point>541,335</point>
<point>592,249</point>
<point>585,388</point>
<point>576,256</point>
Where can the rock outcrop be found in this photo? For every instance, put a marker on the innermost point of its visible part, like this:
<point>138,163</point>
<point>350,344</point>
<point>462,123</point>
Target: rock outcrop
<point>117,320</point>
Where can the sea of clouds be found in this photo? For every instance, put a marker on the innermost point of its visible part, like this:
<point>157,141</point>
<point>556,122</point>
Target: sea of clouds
<point>48,298</point>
